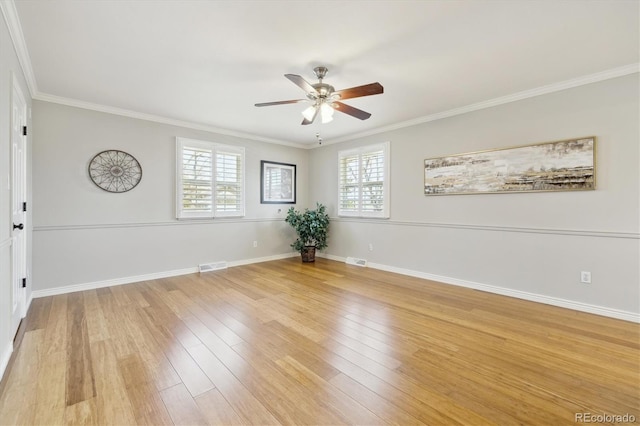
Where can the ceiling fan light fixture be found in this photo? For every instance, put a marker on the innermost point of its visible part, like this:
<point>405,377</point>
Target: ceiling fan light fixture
<point>326,113</point>
<point>309,113</point>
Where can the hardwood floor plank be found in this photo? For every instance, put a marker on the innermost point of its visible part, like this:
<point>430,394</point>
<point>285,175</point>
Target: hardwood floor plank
<point>190,373</point>
<point>81,413</point>
<point>377,404</point>
<point>50,393</point>
<point>80,380</point>
<point>295,403</point>
<point>242,401</point>
<point>276,342</point>
<point>56,330</point>
<point>123,343</point>
<point>217,410</point>
<point>112,405</point>
<point>132,291</point>
<point>181,406</point>
<point>18,402</point>
<point>39,313</point>
<point>96,322</point>
<point>120,296</point>
<point>174,338</point>
<point>148,407</point>
<point>284,342</point>
<point>164,320</point>
<point>149,355</point>
<point>428,407</point>
<point>328,394</point>
<point>135,371</point>
<point>260,381</point>
<point>216,326</point>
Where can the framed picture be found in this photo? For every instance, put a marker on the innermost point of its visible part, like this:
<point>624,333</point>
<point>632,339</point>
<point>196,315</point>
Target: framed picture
<point>277,183</point>
<point>567,165</point>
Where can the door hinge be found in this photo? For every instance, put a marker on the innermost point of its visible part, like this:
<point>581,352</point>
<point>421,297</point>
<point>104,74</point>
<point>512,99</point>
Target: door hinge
<point>24,130</point>
<point>24,283</point>
<point>24,206</point>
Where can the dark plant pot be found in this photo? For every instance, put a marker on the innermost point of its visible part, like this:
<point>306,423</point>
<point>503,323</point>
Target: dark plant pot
<point>308,254</point>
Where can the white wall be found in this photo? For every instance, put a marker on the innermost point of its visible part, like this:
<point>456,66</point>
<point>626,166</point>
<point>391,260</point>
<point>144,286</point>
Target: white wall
<point>86,236</point>
<point>9,68</point>
<point>531,245</point>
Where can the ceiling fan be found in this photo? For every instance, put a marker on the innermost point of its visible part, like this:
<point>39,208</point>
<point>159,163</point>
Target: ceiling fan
<point>325,99</point>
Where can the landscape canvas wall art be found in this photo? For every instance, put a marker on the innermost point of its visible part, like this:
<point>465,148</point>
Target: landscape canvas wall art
<point>567,165</point>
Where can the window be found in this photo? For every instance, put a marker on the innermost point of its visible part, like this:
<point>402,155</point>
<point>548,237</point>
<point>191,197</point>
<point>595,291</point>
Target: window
<point>210,179</point>
<point>364,181</point>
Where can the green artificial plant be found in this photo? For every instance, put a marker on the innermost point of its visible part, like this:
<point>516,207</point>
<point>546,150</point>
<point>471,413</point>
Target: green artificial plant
<point>312,227</point>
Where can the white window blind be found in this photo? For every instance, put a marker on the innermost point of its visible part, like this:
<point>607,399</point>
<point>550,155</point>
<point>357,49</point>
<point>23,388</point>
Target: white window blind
<point>210,179</point>
<point>364,181</point>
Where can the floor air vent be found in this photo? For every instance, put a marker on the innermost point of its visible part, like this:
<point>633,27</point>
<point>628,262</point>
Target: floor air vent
<point>356,261</point>
<point>208,267</point>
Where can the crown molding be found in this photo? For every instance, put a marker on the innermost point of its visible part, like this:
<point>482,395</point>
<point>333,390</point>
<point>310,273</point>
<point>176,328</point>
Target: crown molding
<point>45,97</point>
<point>518,96</point>
<point>10,14</point>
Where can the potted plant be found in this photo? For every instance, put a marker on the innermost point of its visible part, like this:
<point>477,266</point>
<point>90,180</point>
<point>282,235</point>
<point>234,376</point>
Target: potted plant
<point>312,227</point>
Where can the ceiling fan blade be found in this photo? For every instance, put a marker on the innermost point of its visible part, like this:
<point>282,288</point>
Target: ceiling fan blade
<point>315,114</point>
<point>354,112</point>
<point>294,101</point>
<point>302,83</point>
<point>359,91</point>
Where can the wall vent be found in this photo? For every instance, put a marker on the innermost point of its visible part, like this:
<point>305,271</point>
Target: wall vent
<point>215,266</point>
<point>356,261</point>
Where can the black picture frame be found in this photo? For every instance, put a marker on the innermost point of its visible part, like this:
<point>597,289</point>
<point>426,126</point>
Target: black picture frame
<point>277,183</point>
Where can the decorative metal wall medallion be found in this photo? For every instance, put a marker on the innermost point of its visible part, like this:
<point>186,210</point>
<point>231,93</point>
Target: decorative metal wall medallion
<point>115,171</point>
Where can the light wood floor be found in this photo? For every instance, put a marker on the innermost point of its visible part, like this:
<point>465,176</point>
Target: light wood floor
<point>326,343</point>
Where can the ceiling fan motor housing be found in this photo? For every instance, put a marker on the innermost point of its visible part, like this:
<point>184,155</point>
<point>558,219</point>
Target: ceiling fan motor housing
<point>324,91</point>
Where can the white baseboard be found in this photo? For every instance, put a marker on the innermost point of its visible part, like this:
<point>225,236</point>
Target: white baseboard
<point>533,297</point>
<point>548,300</point>
<point>263,259</point>
<point>4,361</point>
<point>146,277</point>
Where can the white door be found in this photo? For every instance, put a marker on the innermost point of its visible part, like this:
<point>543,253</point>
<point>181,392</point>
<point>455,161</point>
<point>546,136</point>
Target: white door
<point>18,205</point>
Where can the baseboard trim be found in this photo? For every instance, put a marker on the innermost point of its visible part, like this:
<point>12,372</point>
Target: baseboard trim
<point>518,294</point>
<point>262,259</point>
<point>146,277</point>
<point>533,297</point>
<point>4,361</point>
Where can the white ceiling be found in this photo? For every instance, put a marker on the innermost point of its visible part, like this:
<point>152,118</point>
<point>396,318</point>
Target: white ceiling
<point>209,62</point>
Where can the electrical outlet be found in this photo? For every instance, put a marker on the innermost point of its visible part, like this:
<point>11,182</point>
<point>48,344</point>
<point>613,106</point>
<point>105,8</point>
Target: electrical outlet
<point>370,247</point>
<point>255,244</point>
<point>585,277</point>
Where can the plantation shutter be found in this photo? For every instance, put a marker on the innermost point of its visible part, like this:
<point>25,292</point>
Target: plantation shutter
<point>364,182</point>
<point>197,173</point>
<point>210,180</point>
<point>349,192</point>
<point>229,182</point>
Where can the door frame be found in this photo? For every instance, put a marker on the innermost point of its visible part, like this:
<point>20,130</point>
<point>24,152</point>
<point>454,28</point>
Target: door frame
<point>18,185</point>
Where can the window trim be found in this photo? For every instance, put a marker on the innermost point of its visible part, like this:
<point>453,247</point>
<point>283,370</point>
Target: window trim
<point>386,201</point>
<point>215,148</point>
